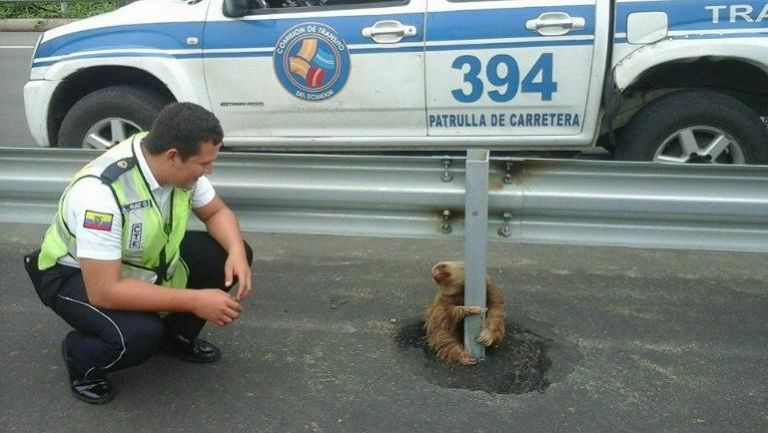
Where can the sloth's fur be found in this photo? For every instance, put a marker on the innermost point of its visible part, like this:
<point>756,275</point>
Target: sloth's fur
<point>447,311</point>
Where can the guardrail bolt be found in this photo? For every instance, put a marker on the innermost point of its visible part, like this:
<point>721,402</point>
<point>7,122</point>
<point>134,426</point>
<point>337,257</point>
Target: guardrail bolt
<point>508,177</point>
<point>446,228</point>
<point>446,176</point>
<point>506,229</point>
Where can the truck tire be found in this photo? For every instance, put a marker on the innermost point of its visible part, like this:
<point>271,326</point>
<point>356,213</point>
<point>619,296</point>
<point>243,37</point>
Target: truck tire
<point>695,126</point>
<point>109,115</point>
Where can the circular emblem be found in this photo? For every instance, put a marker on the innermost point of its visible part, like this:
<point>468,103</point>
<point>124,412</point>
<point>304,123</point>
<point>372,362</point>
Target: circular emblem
<point>122,164</point>
<point>311,61</point>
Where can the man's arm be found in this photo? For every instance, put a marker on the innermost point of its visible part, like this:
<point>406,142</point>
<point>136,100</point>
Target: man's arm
<point>106,289</point>
<point>222,225</point>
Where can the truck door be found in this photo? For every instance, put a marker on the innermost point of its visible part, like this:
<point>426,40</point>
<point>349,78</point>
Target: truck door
<point>510,67</point>
<point>299,70</point>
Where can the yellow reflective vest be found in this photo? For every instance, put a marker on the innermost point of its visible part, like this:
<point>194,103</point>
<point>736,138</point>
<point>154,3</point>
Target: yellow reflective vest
<point>150,243</point>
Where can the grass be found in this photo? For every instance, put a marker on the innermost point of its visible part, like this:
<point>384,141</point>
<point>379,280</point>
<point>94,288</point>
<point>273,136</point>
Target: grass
<point>54,9</point>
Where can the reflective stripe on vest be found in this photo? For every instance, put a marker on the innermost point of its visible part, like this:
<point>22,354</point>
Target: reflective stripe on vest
<point>146,237</point>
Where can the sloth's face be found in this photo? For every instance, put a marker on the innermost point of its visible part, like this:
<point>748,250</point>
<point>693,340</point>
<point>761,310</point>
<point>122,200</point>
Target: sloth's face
<point>449,276</point>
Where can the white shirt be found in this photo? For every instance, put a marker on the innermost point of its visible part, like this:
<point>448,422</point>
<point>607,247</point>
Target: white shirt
<point>90,194</point>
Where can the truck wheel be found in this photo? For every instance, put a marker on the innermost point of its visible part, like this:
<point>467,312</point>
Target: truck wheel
<point>108,116</point>
<point>695,127</point>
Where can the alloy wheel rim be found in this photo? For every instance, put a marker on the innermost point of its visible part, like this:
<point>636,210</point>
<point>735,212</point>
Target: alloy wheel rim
<point>700,144</point>
<point>107,132</point>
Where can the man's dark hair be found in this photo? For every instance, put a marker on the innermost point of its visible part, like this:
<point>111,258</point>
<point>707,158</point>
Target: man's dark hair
<point>183,126</point>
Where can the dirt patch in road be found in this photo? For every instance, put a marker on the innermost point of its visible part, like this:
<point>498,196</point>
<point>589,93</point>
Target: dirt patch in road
<point>518,365</point>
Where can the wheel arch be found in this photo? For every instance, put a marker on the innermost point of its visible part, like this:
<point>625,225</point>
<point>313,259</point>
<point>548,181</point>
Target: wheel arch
<point>736,77</point>
<point>672,64</point>
<point>85,81</point>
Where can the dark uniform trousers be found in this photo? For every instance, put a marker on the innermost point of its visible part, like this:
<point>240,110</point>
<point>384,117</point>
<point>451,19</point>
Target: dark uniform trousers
<point>105,341</point>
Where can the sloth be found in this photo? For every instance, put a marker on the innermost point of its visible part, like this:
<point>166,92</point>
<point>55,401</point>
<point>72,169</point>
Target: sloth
<point>447,312</point>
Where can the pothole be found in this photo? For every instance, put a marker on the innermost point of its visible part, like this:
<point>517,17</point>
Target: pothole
<point>519,364</point>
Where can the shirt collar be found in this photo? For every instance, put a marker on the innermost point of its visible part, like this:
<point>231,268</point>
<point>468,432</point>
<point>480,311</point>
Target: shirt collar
<point>154,185</point>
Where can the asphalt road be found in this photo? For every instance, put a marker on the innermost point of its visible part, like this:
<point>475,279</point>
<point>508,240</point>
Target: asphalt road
<point>634,341</point>
<point>15,57</point>
<point>631,340</point>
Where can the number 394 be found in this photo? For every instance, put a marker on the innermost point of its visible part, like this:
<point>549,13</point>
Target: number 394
<point>503,74</point>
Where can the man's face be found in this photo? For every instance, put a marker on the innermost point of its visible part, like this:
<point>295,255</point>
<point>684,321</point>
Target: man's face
<point>186,173</point>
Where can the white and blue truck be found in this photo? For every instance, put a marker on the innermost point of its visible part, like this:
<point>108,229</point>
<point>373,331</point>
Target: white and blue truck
<point>663,80</point>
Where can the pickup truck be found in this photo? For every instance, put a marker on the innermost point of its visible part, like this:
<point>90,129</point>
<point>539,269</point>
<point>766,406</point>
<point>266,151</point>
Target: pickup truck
<point>663,80</point>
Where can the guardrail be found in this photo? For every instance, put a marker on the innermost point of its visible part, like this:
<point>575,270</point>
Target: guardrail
<point>530,201</point>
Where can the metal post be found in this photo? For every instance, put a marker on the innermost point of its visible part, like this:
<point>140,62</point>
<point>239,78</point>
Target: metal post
<point>475,245</point>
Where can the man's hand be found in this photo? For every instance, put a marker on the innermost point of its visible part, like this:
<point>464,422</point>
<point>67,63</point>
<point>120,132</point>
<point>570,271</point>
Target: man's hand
<point>224,228</point>
<point>237,266</point>
<point>215,306</point>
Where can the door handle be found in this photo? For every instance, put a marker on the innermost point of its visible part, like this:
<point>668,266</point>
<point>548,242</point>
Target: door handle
<point>388,32</point>
<point>555,23</point>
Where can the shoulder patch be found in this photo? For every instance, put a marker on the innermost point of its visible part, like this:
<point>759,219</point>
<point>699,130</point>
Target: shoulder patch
<point>98,220</point>
<point>114,170</point>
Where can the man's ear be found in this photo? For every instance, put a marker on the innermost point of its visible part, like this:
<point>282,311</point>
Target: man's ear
<point>172,156</point>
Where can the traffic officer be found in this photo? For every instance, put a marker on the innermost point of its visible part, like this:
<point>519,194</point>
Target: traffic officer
<point>118,265</point>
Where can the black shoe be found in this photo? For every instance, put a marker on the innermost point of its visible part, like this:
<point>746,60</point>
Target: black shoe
<point>93,391</point>
<point>193,350</point>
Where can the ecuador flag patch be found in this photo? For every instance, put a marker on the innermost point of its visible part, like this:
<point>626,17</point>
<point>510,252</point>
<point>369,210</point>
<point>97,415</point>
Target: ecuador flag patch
<point>98,220</point>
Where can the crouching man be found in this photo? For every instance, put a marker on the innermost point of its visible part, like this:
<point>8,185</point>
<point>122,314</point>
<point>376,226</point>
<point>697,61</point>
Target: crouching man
<point>118,265</point>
